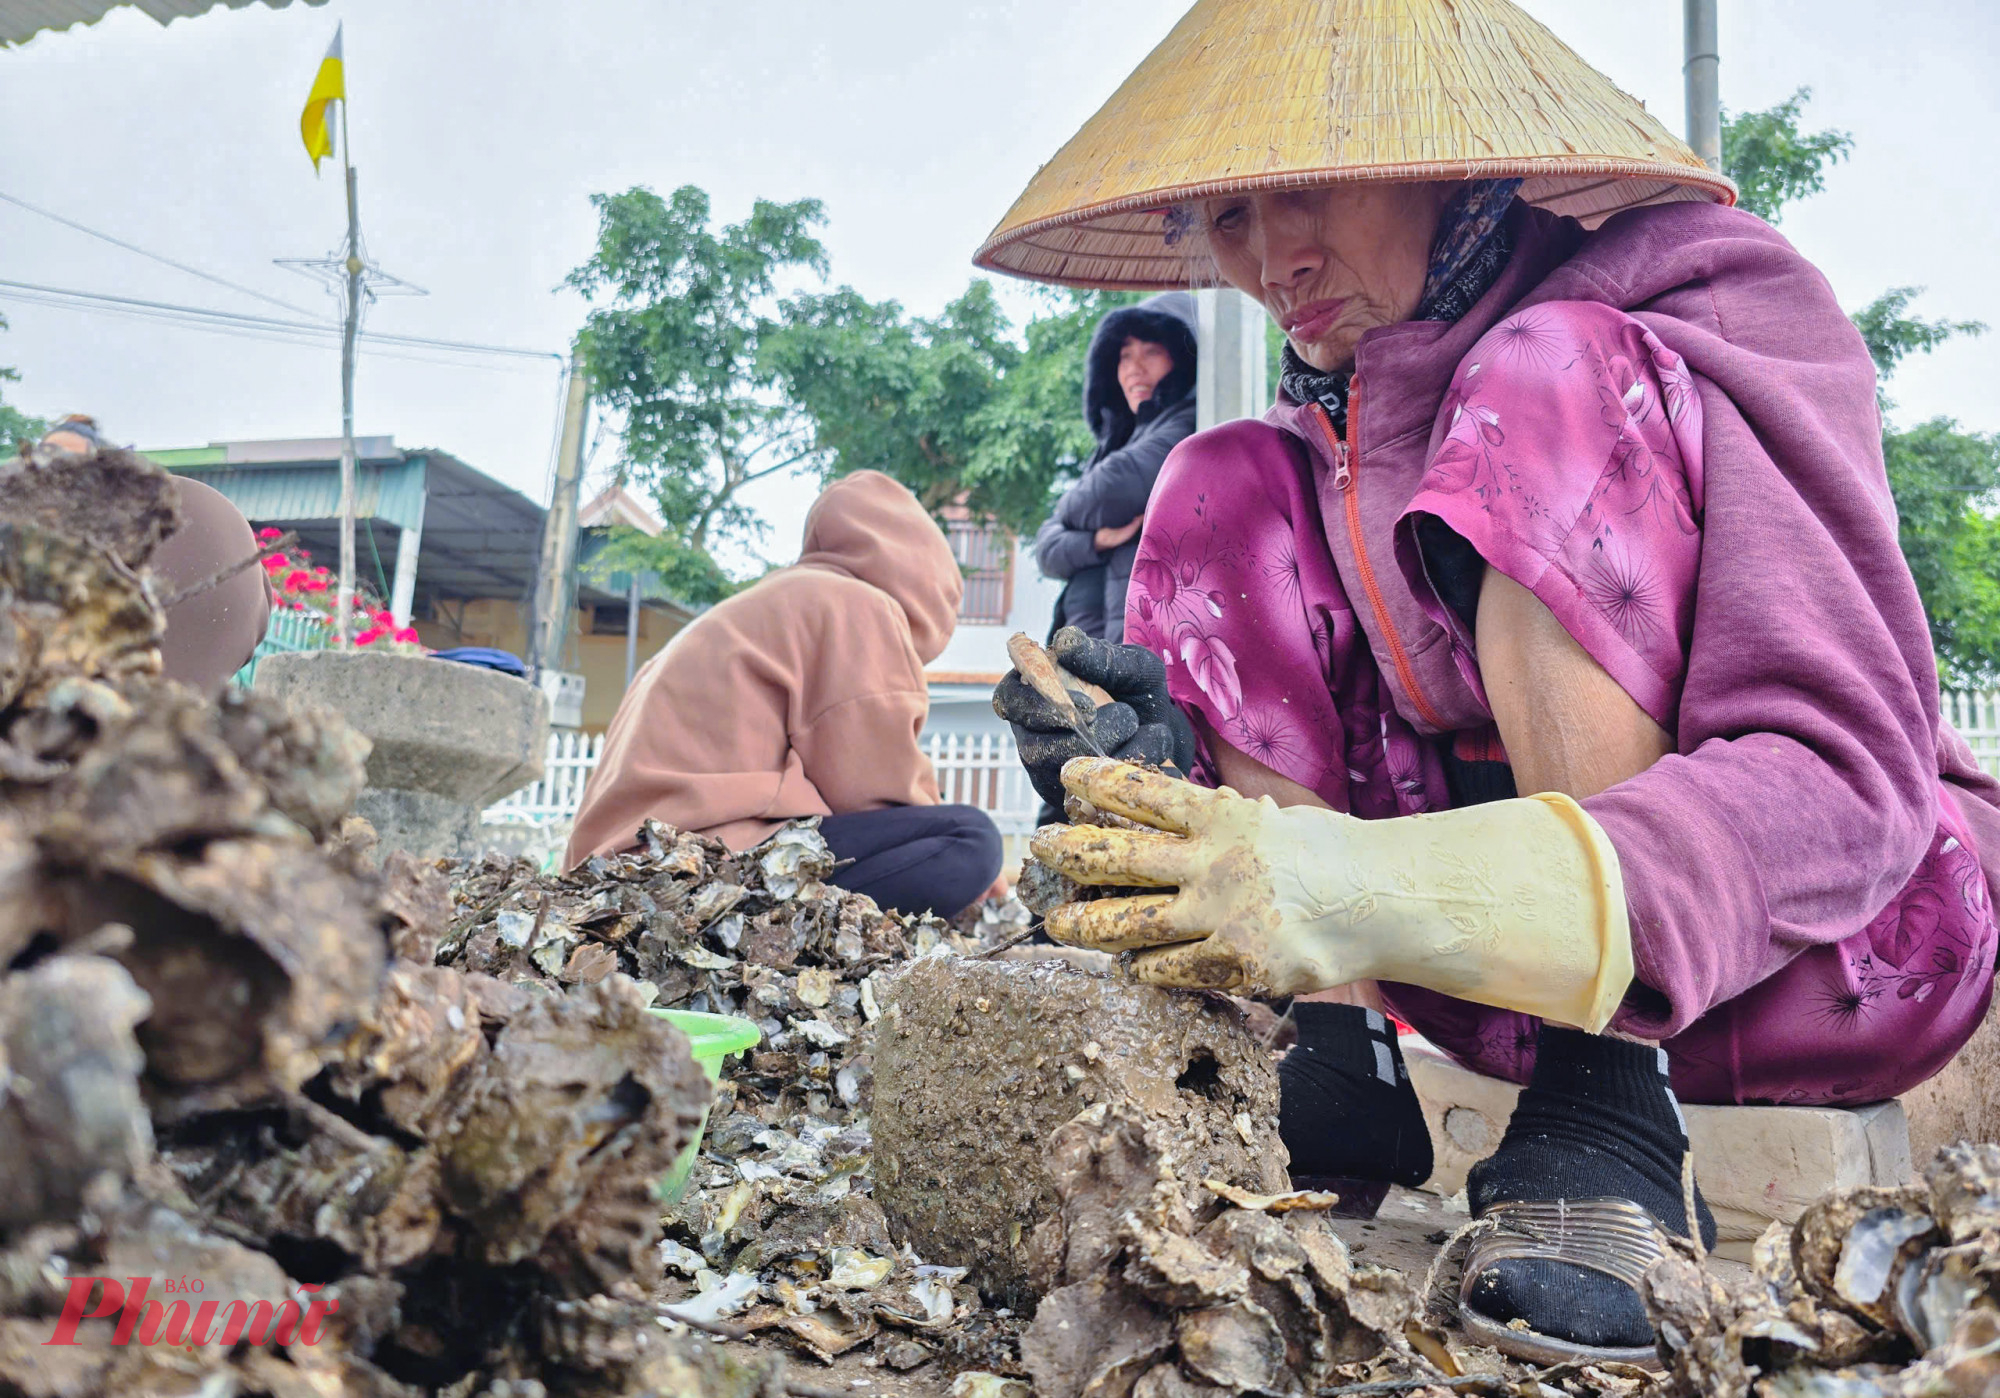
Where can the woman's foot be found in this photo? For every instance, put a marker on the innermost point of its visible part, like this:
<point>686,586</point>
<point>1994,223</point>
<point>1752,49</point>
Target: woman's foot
<point>1597,1121</point>
<point>1347,1112</point>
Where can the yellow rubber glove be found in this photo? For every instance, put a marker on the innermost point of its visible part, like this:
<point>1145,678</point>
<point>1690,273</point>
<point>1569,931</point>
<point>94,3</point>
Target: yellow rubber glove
<point>1514,903</point>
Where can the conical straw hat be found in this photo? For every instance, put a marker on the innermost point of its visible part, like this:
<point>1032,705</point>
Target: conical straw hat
<point>1277,94</point>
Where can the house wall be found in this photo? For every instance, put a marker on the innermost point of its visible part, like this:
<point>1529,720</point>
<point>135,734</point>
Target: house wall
<point>494,621</point>
<point>982,650</point>
<point>601,661</point>
<point>963,708</point>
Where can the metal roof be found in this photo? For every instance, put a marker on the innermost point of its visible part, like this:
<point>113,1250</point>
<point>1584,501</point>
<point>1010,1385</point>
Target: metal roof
<point>480,538</point>
<point>21,20</point>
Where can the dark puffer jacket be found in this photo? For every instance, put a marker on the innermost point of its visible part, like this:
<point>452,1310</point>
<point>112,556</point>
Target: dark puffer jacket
<point>1118,480</point>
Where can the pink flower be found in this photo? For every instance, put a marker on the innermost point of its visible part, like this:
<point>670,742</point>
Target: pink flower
<point>275,562</point>
<point>408,636</point>
<point>297,579</point>
<point>264,536</point>
<point>371,635</point>
<point>384,620</point>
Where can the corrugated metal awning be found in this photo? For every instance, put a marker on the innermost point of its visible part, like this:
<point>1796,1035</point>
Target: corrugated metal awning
<point>21,20</point>
<point>479,537</point>
<point>392,492</point>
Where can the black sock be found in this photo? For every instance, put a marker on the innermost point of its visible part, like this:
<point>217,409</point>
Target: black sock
<point>1346,1107</point>
<point>1598,1120</point>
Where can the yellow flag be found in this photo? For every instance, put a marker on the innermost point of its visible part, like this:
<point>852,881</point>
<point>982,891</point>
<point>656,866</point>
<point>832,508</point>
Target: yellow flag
<point>329,86</point>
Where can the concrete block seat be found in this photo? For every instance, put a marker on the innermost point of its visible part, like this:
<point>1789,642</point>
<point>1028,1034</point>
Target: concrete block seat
<point>1755,1164</point>
<point>449,739</point>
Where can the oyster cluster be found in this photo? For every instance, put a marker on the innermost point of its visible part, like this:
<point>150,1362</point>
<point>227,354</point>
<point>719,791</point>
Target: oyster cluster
<point>1875,1293</point>
<point>1263,1298</point>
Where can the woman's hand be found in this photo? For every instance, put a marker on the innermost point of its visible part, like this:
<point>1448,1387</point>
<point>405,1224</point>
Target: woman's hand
<point>1108,538</point>
<point>1514,903</point>
<point>1141,726</point>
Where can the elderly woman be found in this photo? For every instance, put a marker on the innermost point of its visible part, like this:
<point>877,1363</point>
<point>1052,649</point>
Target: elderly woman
<point>1547,646</point>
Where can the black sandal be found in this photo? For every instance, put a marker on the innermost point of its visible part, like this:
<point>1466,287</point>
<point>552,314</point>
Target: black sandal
<point>1613,1236</point>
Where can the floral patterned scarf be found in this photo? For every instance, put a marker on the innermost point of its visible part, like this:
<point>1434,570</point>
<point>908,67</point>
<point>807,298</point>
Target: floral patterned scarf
<point>1471,247</point>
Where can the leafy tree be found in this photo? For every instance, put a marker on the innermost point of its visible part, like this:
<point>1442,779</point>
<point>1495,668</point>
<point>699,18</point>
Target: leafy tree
<point>1970,618</point>
<point>15,425</point>
<point>721,380</point>
<point>1937,472</point>
<point>1940,475</point>
<point>1033,438</point>
<point>1891,335</point>
<point>1772,161</point>
<point>953,407</point>
<point>673,345</point>
<point>890,393</point>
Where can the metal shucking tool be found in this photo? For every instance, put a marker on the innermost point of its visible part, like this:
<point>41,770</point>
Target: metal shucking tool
<point>1046,678</point>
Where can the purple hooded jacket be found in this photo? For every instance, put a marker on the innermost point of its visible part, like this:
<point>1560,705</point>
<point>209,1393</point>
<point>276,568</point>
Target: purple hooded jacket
<point>1805,786</point>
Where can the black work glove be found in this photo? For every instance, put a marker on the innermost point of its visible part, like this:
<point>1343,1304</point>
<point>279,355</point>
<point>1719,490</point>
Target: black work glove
<point>1143,725</point>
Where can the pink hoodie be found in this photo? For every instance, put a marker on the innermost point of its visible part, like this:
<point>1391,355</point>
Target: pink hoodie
<point>801,696</point>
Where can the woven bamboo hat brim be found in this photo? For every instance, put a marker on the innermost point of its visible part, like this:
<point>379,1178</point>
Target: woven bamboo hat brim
<point>1249,95</point>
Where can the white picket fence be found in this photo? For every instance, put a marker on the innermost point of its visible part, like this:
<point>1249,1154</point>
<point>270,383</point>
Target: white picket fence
<point>973,769</point>
<point>554,799</point>
<point>1976,716</point>
<point>982,769</point>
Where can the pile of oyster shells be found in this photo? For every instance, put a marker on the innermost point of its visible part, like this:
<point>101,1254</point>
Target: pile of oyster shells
<point>778,1234</point>
<point>229,1066</point>
<point>1875,1293</point>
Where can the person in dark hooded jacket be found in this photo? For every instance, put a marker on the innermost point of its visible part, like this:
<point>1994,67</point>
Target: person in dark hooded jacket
<point>1138,397</point>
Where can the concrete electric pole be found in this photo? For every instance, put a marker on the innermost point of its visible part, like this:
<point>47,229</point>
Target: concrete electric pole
<point>552,590</point>
<point>1230,380</point>
<point>1702,71</point>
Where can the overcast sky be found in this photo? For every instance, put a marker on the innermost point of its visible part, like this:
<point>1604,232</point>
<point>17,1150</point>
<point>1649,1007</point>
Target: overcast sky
<point>482,128</point>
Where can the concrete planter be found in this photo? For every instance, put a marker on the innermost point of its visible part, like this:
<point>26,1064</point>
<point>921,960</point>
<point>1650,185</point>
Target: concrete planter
<point>448,739</point>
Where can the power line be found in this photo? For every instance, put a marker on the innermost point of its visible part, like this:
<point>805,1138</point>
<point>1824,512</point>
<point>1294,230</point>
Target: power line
<point>267,336</point>
<point>154,256</point>
<point>208,318</point>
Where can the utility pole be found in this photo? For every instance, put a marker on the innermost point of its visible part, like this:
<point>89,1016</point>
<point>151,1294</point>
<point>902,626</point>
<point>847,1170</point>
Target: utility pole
<point>632,630</point>
<point>1702,72</point>
<point>559,532</point>
<point>343,601</point>
<point>355,281</point>
<point>1229,372</point>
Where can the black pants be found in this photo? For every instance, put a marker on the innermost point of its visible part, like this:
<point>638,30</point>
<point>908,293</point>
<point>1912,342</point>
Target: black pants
<point>916,859</point>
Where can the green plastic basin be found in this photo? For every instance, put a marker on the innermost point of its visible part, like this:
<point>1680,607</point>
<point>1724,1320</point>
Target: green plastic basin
<point>713,1038</point>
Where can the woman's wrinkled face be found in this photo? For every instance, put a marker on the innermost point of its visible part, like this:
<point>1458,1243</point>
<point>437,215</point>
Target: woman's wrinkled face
<point>1141,366</point>
<point>1328,264</point>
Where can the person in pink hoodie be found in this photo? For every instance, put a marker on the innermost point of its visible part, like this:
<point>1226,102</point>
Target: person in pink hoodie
<point>804,695</point>
<point>1596,517</point>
